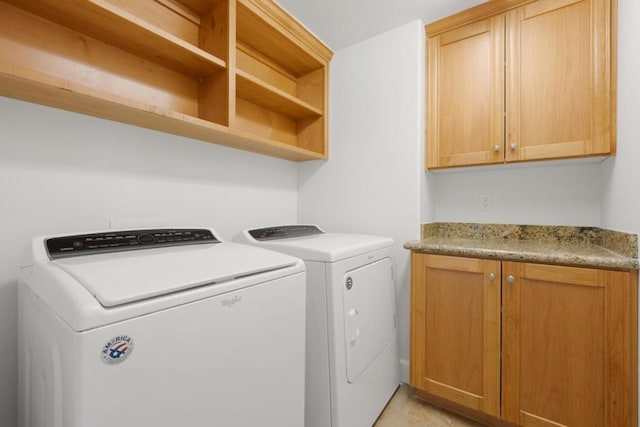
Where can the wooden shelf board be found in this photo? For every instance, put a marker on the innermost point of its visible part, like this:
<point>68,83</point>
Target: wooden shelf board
<point>101,20</point>
<point>32,86</point>
<point>284,48</point>
<point>258,92</point>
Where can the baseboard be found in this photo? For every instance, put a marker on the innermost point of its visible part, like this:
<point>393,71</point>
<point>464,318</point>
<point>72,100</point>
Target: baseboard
<point>404,371</point>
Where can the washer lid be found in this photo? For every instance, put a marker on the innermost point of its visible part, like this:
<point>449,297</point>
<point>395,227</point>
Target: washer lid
<point>326,247</point>
<point>123,277</point>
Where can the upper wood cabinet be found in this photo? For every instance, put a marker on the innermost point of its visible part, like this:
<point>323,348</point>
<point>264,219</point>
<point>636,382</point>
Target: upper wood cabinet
<point>465,95</point>
<point>241,73</point>
<point>521,80</point>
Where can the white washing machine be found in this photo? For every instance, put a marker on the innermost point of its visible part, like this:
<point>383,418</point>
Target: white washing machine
<point>162,328</point>
<point>352,355</point>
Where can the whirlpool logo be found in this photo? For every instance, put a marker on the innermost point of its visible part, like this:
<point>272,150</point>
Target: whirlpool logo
<point>230,302</point>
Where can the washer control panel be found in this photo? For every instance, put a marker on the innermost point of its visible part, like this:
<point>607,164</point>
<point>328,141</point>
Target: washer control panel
<point>117,241</point>
<point>284,232</point>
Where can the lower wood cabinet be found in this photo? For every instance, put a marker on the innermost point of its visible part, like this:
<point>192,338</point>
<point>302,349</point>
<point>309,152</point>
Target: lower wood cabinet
<point>531,344</point>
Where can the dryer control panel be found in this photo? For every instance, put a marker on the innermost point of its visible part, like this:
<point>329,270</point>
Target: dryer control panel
<point>117,241</point>
<point>284,232</point>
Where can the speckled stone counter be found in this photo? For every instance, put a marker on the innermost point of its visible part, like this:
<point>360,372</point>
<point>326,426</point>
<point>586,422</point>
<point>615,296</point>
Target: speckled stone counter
<point>562,245</point>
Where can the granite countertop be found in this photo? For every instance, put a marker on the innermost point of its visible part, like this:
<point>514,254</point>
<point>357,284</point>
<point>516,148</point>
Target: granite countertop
<point>562,245</point>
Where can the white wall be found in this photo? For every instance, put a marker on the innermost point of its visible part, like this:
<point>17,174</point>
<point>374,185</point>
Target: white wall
<point>372,184</point>
<point>621,201</point>
<point>62,172</point>
<point>556,193</point>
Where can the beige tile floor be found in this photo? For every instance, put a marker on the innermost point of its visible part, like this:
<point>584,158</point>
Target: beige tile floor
<point>405,410</point>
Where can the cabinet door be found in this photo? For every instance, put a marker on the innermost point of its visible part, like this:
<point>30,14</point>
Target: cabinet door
<point>558,80</point>
<point>465,95</point>
<point>569,346</point>
<point>455,330</point>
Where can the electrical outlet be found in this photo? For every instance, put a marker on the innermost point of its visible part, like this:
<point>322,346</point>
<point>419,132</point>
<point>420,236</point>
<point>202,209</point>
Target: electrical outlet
<point>485,202</point>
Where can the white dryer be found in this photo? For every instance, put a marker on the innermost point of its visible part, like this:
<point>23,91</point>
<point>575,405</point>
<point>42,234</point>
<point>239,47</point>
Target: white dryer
<point>352,355</point>
<point>164,327</point>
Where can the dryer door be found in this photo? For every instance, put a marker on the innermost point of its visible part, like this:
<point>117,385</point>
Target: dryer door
<point>369,314</point>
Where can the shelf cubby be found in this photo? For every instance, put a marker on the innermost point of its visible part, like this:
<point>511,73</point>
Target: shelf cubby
<point>272,98</point>
<point>281,81</point>
<point>106,21</point>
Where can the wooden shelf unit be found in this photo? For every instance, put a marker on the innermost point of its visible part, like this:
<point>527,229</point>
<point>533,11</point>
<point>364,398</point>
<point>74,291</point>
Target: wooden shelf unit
<point>171,66</point>
<point>281,78</point>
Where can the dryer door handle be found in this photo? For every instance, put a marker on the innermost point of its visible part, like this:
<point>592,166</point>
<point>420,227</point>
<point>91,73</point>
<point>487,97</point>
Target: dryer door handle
<point>352,321</point>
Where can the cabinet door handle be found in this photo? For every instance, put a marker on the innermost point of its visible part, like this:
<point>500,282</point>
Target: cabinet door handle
<point>496,148</point>
<point>513,145</point>
<point>511,279</point>
<point>492,277</point>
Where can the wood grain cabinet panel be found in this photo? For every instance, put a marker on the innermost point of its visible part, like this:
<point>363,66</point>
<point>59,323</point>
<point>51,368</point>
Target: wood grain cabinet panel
<point>542,88</point>
<point>455,319</point>
<point>568,345</point>
<point>466,95</point>
<point>558,81</point>
<point>539,345</point>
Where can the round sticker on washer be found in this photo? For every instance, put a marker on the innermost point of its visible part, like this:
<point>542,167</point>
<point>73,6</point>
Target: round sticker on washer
<point>118,349</point>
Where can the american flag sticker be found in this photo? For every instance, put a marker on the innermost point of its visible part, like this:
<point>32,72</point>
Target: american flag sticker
<point>117,350</point>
